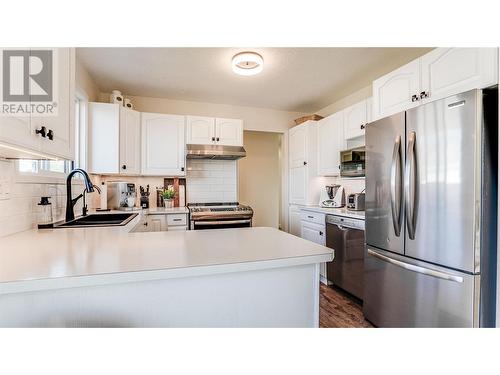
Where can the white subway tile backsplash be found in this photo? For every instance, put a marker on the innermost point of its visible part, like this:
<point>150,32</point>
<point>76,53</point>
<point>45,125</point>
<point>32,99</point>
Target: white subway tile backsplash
<point>212,181</point>
<point>20,210</point>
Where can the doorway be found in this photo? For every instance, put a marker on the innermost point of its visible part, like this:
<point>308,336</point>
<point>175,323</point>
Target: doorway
<point>259,177</point>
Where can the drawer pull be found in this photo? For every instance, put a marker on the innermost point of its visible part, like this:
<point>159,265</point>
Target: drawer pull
<point>310,217</point>
<point>177,219</point>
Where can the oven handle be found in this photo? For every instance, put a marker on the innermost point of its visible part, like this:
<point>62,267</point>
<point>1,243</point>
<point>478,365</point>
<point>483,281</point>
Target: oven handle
<point>222,222</point>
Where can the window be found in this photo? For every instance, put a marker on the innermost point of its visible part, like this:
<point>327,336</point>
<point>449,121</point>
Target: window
<point>58,168</point>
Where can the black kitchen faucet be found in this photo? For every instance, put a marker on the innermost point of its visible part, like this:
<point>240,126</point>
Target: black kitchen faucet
<point>70,202</point>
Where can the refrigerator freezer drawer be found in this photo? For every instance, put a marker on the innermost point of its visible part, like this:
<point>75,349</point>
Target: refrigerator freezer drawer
<point>400,292</point>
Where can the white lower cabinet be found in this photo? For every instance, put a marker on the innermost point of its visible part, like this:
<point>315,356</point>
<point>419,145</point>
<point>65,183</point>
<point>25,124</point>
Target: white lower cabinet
<point>163,144</point>
<point>313,228</point>
<point>162,222</point>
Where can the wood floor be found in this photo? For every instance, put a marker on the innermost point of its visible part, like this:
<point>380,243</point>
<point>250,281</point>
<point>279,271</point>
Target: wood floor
<point>338,309</point>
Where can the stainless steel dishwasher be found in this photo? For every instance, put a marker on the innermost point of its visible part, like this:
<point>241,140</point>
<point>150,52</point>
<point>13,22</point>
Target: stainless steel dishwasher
<point>347,237</point>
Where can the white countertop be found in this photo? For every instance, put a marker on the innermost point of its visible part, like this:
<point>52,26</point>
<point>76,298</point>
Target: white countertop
<point>335,211</point>
<point>68,257</point>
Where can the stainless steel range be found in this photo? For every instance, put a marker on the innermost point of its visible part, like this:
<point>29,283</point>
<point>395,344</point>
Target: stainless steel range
<point>219,215</point>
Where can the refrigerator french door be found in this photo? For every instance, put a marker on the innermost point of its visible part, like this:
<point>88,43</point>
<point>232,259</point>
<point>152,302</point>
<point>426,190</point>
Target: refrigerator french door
<point>431,176</point>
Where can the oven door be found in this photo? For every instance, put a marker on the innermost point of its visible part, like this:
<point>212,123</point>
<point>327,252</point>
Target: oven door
<point>220,224</point>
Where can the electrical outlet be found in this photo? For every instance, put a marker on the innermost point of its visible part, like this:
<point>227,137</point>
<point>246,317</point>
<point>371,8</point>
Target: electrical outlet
<point>4,189</point>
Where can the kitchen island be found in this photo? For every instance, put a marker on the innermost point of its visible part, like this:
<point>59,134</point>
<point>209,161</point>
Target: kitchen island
<point>109,277</point>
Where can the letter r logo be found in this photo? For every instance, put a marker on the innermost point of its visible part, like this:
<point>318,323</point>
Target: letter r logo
<point>27,76</point>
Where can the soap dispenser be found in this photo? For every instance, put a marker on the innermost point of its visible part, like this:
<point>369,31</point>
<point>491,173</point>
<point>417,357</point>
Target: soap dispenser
<point>45,219</point>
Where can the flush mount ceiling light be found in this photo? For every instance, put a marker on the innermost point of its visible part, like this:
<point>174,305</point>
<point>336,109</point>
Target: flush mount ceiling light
<point>247,63</point>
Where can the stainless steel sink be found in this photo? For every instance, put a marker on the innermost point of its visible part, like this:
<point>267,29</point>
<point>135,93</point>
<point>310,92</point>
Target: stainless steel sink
<point>99,220</point>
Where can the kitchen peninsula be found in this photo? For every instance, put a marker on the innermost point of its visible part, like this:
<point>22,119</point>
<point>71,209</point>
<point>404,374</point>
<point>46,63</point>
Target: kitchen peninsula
<point>109,277</point>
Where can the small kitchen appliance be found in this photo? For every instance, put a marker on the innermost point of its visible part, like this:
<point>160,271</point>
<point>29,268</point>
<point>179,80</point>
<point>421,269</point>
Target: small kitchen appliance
<point>328,197</point>
<point>118,194</point>
<point>144,197</point>
<point>352,162</point>
<point>356,202</point>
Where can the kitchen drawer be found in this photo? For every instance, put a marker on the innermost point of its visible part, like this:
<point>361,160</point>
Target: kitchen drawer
<point>313,217</point>
<point>177,219</point>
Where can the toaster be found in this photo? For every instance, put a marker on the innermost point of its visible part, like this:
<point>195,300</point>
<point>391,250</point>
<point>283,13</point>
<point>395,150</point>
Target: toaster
<point>356,202</point>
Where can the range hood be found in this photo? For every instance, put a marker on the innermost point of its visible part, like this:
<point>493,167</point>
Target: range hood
<point>215,152</point>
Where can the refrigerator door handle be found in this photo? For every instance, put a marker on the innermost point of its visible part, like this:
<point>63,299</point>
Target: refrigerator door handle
<point>418,269</point>
<point>410,187</point>
<point>396,186</point>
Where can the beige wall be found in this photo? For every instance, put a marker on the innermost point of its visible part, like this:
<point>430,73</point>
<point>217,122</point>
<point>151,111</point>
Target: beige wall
<point>260,119</point>
<point>347,101</point>
<point>259,177</point>
<point>85,82</point>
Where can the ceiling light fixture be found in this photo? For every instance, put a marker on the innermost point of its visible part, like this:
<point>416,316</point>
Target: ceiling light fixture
<point>247,63</point>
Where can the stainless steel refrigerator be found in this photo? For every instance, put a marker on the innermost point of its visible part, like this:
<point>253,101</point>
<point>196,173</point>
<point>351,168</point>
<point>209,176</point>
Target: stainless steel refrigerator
<point>431,206</point>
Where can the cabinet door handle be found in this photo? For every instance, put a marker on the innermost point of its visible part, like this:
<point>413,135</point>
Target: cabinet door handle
<point>182,169</point>
<point>320,233</point>
<point>217,139</point>
<point>145,223</point>
<point>42,131</point>
<point>213,139</point>
<point>424,95</point>
<point>414,98</point>
<point>124,167</point>
<point>50,135</point>
<point>305,163</point>
<point>363,126</point>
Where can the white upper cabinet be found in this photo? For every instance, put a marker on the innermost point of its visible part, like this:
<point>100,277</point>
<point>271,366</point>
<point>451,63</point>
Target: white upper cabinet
<point>369,110</point>
<point>60,128</point>
<point>200,130</point>
<point>229,132</point>
<point>298,145</point>
<point>130,141</point>
<point>330,143</point>
<point>438,74</point>
<point>449,71</point>
<point>298,185</point>
<point>104,138</point>
<point>214,131</point>
<point>48,134</point>
<point>163,144</point>
<point>303,161</point>
<point>396,91</point>
<point>355,120</point>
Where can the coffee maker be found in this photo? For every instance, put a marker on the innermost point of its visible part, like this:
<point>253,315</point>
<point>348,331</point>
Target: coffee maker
<point>332,196</point>
<point>121,195</point>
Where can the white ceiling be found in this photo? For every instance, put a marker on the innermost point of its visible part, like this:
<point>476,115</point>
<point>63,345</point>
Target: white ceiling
<point>294,79</point>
